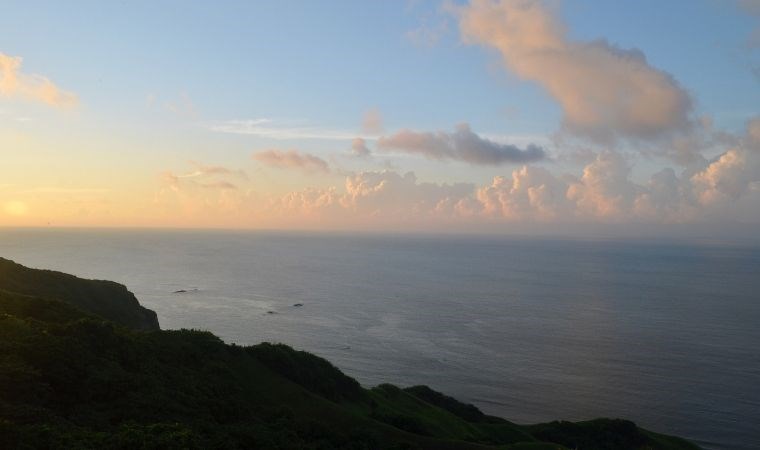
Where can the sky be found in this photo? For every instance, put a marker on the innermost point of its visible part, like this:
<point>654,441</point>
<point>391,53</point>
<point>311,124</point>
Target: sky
<point>491,116</point>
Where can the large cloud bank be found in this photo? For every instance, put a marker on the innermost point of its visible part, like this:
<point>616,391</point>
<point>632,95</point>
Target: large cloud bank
<point>603,192</point>
<point>613,101</point>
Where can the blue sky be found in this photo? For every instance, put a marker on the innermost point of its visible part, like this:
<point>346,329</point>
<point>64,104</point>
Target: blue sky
<point>154,78</point>
<point>328,61</point>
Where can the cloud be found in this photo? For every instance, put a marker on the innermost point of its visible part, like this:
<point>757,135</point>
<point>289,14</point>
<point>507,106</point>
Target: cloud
<point>359,148</point>
<point>183,106</point>
<point>63,190</point>
<point>271,129</point>
<point>202,170</point>
<point>372,122</point>
<point>429,33</point>
<point>203,176</point>
<point>218,185</point>
<point>734,173</point>
<point>206,195</point>
<point>375,197</point>
<point>292,159</point>
<point>752,7</point>
<point>728,177</point>
<point>604,192</point>
<point>14,83</point>
<point>461,145</point>
<point>753,133</point>
<point>605,189</point>
<point>388,192</point>
<point>531,193</point>
<point>205,201</point>
<point>605,92</point>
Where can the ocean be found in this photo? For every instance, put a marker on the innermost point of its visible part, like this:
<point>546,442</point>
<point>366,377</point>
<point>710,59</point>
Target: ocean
<point>530,329</point>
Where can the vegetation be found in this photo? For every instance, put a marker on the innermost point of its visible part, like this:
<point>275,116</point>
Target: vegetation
<point>69,378</point>
<point>106,299</point>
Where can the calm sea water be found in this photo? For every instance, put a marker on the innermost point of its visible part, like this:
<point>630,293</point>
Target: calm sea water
<point>529,329</point>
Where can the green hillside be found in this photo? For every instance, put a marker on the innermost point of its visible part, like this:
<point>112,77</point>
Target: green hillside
<point>71,379</point>
<point>103,298</point>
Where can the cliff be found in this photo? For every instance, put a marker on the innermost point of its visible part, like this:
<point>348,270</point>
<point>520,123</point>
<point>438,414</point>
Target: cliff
<point>106,299</point>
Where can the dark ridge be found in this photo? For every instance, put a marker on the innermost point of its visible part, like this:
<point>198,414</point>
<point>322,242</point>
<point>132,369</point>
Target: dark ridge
<point>106,299</point>
<point>465,411</point>
<point>602,434</point>
<point>312,372</point>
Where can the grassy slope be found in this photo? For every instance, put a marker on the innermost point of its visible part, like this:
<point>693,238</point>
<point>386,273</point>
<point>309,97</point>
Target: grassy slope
<point>69,379</point>
<point>104,298</point>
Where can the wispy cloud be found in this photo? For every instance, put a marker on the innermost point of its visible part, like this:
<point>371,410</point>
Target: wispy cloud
<point>202,170</point>
<point>183,106</point>
<point>203,176</point>
<point>372,122</point>
<point>206,193</point>
<point>292,159</point>
<point>273,129</point>
<point>64,190</point>
<point>5,115</point>
<point>752,7</point>
<point>429,33</point>
<point>218,185</point>
<point>15,83</point>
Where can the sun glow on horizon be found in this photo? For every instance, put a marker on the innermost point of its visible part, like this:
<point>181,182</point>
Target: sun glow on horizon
<point>16,208</point>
